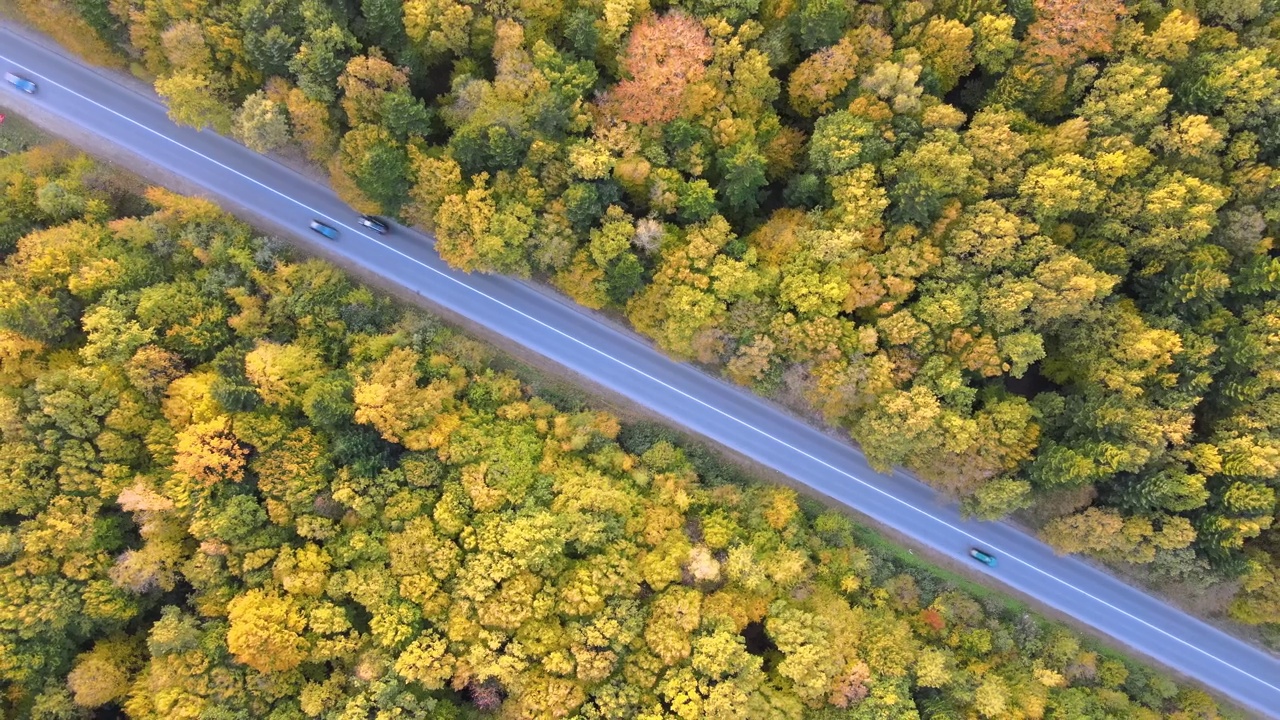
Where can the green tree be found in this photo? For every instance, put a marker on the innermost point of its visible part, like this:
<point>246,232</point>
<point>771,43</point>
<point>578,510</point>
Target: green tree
<point>926,176</point>
<point>376,163</point>
<point>320,59</point>
<point>1128,98</point>
<point>271,32</point>
<point>821,23</point>
<point>994,44</point>
<point>843,141</point>
<point>743,170</point>
<point>195,101</point>
<point>262,124</point>
<point>366,81</point>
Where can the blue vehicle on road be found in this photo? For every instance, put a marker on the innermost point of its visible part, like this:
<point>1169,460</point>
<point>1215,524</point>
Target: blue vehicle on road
<point>21,83</point>
<point>986,558</point>
<point>325,230</point>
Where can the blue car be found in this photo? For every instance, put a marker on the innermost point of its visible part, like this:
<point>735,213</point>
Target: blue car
<point>986,558</point>
<point>324,230</point>
<point>21,83</point>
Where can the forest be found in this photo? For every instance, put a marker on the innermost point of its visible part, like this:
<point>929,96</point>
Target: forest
<point>235,485</point>
<point>1025,249</point>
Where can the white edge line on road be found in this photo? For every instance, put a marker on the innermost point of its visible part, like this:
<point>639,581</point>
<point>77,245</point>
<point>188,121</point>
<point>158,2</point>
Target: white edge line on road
<point>676,390</point>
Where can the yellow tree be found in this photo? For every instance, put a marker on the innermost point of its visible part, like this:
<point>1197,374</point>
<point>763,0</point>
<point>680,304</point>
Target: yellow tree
<point>426,661</point>
<point>812,659</point>
<point>438,26</point>
<point>186,48</point>
<point>266,631</point>
<point>682,301</point>
<point>103,674</point>
<point>994,44</point>
<point>821,78</point>
<point>312,124</point>
<point>209,452</point>
<point>1104,532</point>
<point>292,474</point>
<point>944,47</point>
<point>262,124</point>
<point>282,373</point>
<point>998,150</point>
<point>462,221</point>
<point>387,397</point>
<point>991,699</point>
<point>673,616</point>
<point>1259,602</point>
<point>365,82</point>
<point>434,179</point>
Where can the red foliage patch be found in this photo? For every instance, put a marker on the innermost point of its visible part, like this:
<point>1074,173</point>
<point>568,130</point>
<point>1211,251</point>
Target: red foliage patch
<point>933,619</point>
<point>664,55</point>
<point>1067,31</point>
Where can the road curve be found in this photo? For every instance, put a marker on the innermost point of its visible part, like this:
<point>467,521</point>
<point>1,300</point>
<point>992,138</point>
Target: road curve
<point>137,124</point>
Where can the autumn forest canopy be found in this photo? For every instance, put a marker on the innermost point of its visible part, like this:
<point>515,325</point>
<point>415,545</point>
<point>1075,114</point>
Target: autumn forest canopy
<point>1025,249</point>
<point>234,485</point>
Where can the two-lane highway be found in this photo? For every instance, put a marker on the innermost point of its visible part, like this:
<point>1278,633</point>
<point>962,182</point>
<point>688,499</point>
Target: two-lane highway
<point>262,189</point>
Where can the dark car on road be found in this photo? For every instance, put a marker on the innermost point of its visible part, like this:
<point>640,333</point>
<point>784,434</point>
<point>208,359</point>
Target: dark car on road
<point>325,230</point>
<point>982,557</point>
<point>374,224</point>
<point>19,82</point>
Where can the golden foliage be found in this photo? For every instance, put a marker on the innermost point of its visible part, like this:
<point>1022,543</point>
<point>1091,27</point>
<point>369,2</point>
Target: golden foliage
<point>266,631</point>
<point>209,452</point>
<point>65,25</point>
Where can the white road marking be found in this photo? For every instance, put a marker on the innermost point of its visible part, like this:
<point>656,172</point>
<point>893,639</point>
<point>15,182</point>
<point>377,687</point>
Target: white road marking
<point>676,390</point>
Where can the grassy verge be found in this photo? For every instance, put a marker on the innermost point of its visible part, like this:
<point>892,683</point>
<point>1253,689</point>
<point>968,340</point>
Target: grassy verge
<point>18,134</point>
<point>900,558</point>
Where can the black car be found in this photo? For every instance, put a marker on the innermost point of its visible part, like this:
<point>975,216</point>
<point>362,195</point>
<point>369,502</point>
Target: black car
<point>374,224</point>
<point>324,230</point>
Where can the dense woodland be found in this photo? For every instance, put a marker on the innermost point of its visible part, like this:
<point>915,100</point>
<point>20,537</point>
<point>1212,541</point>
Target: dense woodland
<point>1025,249</point>
<point>236,486</point>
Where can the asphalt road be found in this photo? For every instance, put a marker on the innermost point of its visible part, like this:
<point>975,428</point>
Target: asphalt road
<point>555,328</point>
